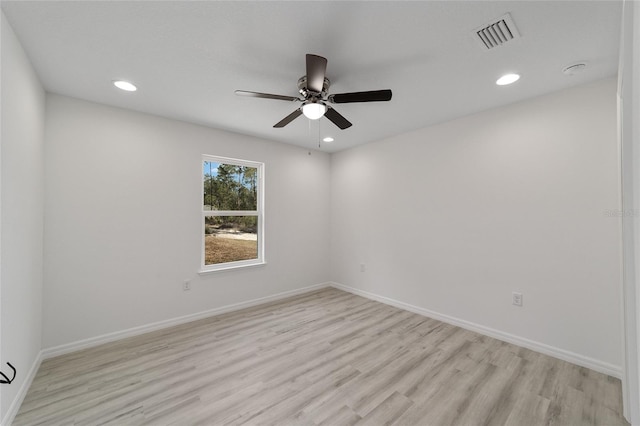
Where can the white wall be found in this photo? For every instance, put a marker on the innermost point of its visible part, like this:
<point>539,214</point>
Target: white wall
<point>22,195</point>
<point>123,212</point>
<point>454,217</point>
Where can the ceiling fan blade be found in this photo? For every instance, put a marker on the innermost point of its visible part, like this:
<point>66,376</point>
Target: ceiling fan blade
<point>371,96</point>
<point>336,118</point>
<point>316,70</point>
<point>289,118</point>
<point>265,95</point>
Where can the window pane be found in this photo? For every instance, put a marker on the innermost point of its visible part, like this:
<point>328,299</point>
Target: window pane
<point>229,187</point>
<point>230,239</point>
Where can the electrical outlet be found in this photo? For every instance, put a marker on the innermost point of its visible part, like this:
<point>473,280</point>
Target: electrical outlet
<point>516,298</point>
<point>186,285</point>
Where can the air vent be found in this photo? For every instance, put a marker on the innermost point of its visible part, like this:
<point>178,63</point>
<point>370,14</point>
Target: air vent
<point>496,33</point>
<point>574,68</point>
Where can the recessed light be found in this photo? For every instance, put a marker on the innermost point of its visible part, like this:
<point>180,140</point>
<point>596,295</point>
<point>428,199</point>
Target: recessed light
<point>507,79</point>
<point>125,85</point>
<point>328,139</point>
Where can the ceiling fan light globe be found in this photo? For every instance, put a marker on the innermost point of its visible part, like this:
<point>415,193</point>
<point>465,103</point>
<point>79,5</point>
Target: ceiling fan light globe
<point>314,110</point>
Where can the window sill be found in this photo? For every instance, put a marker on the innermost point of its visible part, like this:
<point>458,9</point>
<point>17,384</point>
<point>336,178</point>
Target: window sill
<point>231,267</point>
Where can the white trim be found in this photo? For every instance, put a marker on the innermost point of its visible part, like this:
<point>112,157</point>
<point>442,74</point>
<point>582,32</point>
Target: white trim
<point>118,335</point>
<point>17,401</point>
<point>594,364</point>
<point>232,265</point>
<point>628,144</point>
<point>228,160</point>
<point>572,357</point>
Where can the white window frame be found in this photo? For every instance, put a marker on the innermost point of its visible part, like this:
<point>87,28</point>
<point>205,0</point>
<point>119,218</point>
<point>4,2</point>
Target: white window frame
<point>259,213</point>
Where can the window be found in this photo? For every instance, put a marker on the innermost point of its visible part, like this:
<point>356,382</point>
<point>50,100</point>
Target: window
<point>232,217</point>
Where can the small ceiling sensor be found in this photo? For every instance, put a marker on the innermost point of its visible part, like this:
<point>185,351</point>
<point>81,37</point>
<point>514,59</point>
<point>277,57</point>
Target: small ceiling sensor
<point>125,85</point>
<point>574,69</point>
<point>507,79</point>
<point>328,139</point>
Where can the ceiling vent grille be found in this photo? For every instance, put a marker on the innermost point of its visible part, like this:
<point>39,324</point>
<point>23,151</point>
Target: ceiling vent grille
<point>497,33</point>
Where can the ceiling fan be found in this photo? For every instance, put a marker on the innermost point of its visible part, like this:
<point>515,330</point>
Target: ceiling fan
<point>313,89</point>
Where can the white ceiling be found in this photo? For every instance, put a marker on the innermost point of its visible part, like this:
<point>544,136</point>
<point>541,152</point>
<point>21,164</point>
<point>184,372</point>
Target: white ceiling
<point>188,57</point>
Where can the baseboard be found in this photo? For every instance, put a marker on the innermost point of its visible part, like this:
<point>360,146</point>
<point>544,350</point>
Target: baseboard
<point>118,335</point>
<point>572,357</point>
<point>594,364</point>
<point>22,392</point>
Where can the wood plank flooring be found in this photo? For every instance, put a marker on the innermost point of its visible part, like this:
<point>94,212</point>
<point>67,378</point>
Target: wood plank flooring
<point>322,358</point>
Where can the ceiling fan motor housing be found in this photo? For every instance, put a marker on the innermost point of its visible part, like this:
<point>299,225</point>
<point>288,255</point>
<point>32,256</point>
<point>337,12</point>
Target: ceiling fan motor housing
<point>305,92</point>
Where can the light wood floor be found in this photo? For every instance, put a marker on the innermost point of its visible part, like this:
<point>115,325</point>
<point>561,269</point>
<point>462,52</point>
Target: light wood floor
<point>323,358</point>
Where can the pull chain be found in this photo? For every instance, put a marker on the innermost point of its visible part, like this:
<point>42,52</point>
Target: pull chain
<point>311,131</point>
